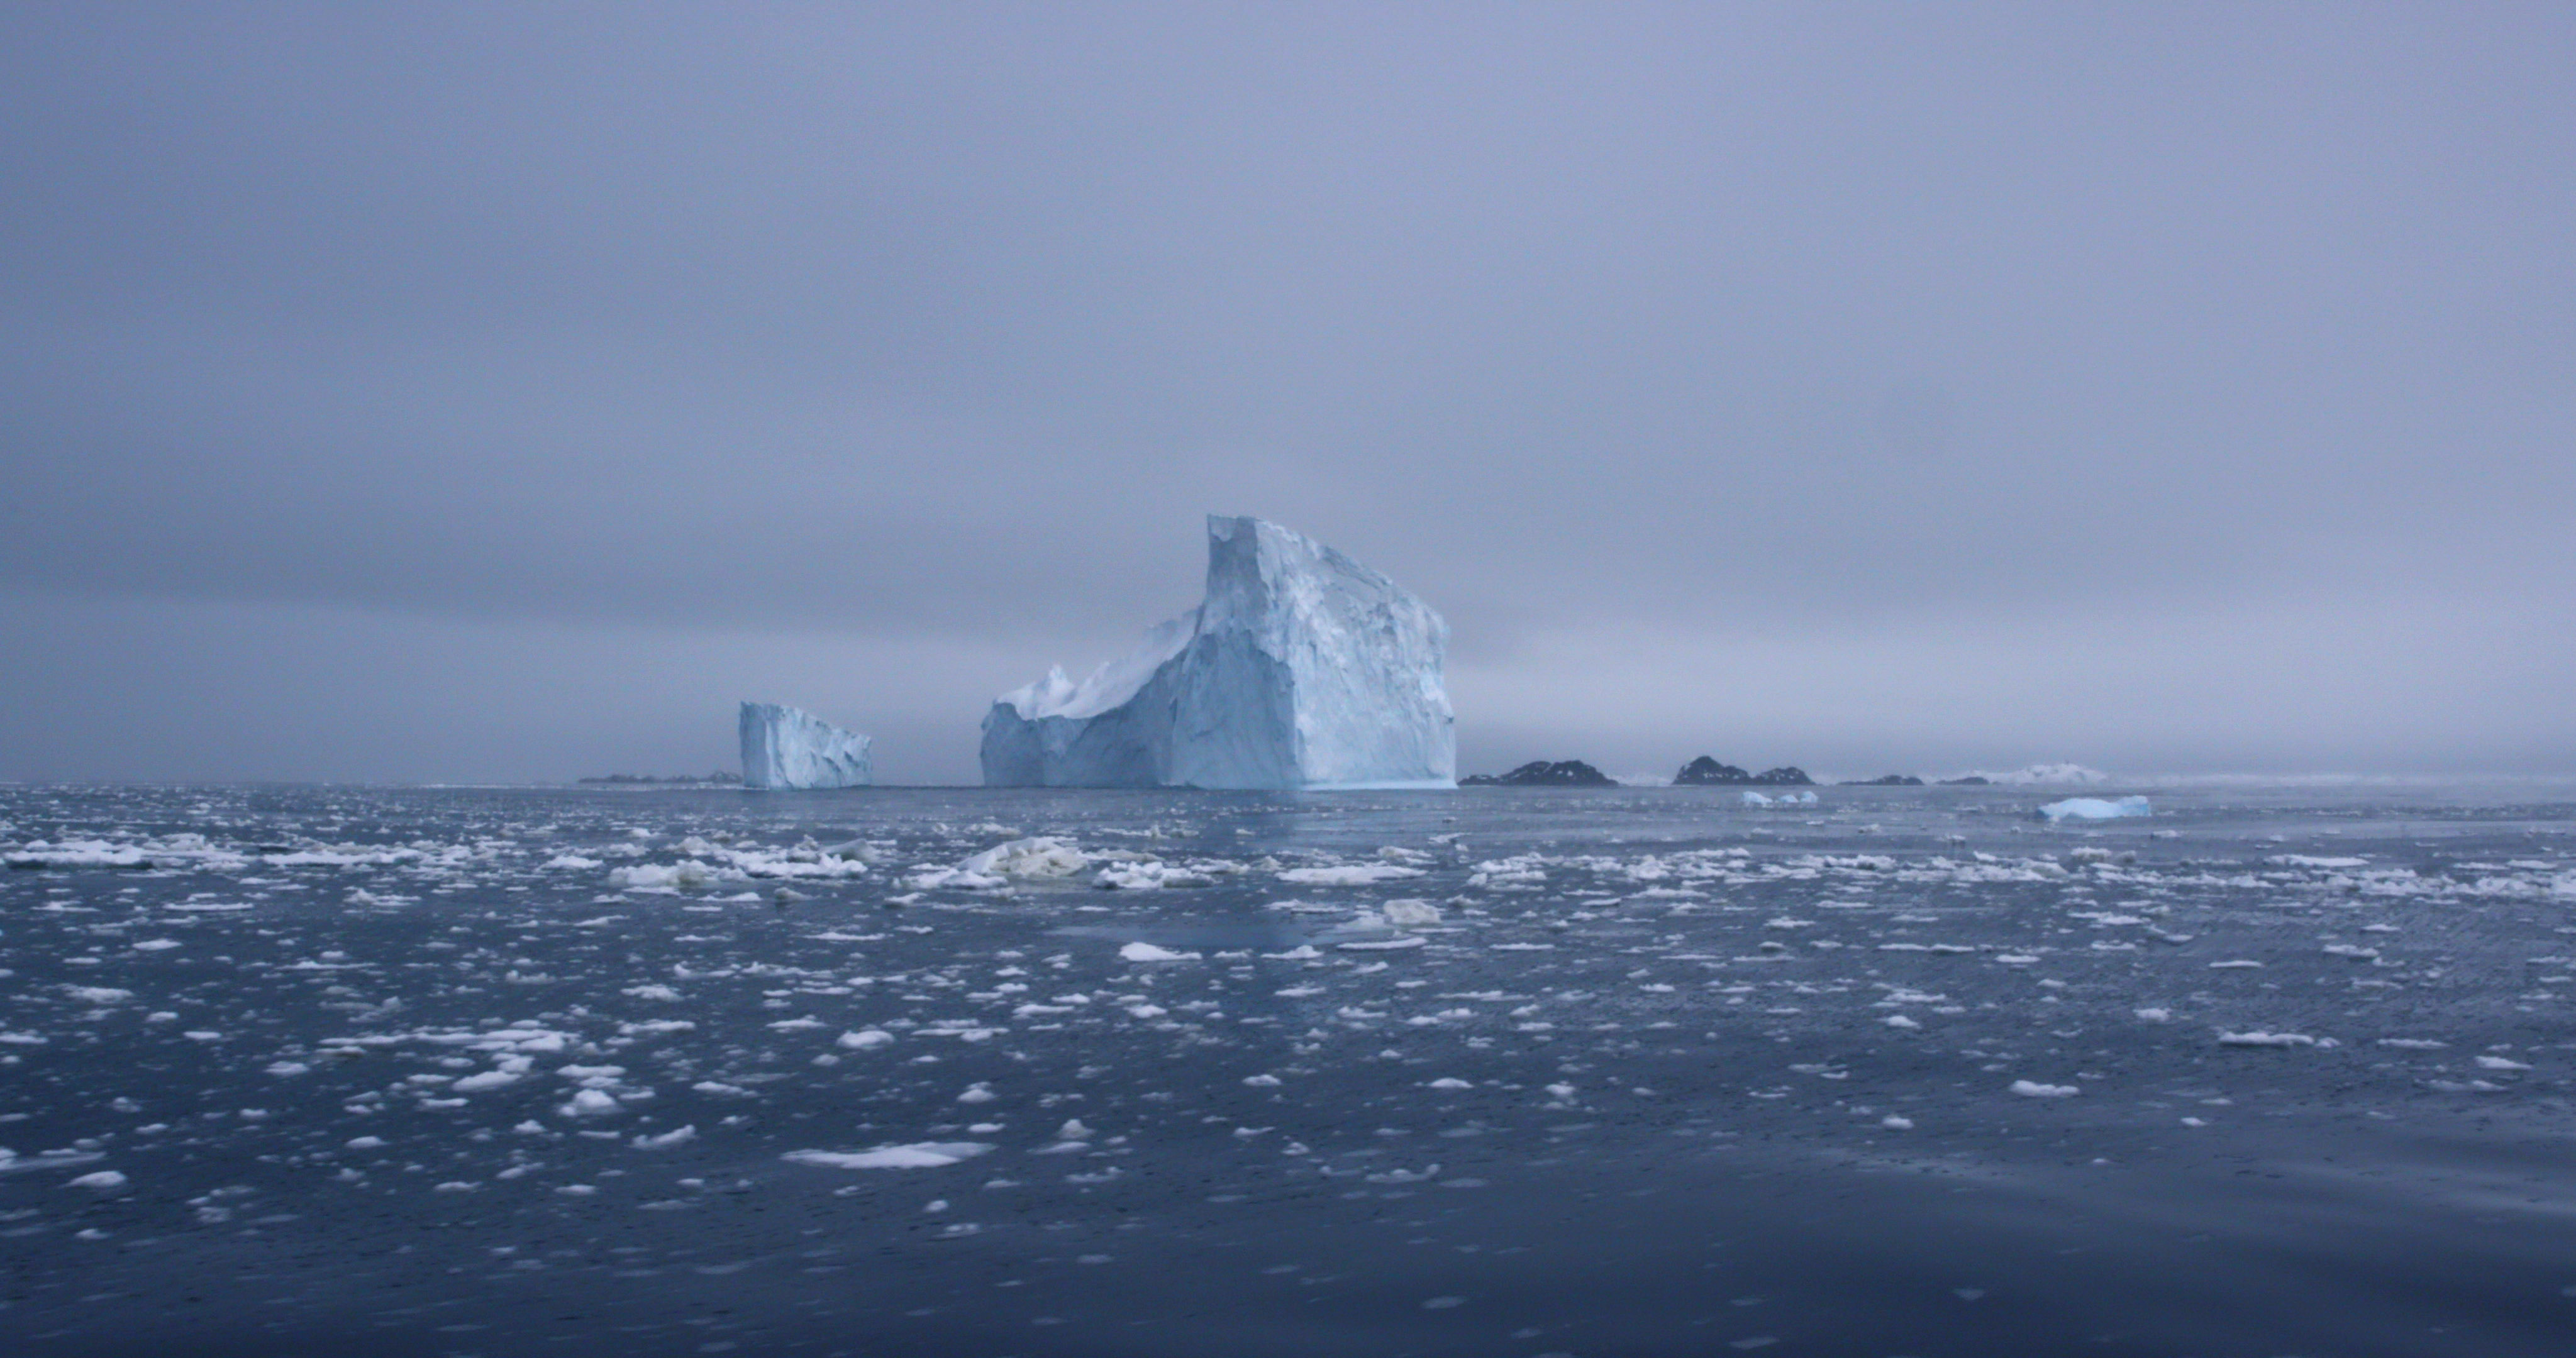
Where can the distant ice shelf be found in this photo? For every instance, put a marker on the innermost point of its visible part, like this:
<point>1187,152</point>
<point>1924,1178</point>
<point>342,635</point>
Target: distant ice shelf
<point>1301,669</point>
<point>783,747</point>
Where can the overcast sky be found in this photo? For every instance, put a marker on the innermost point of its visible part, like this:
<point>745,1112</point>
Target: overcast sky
<point>462,392</point>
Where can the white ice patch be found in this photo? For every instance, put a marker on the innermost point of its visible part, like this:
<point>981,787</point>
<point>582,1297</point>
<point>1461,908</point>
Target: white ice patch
<point>918,1155</point>
<point>2264,1039</point>
<point>1352,874</point>
<point>1409,914</point>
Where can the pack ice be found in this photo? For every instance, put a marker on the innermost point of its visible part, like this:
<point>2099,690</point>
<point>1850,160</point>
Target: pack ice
<point>1300,669</point>
<point>788,748</point>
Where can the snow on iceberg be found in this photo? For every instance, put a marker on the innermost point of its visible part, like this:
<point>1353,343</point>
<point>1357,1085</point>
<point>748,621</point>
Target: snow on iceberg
<point>1301,669</point>
<point>2095,808</point>
<point>785,747</point>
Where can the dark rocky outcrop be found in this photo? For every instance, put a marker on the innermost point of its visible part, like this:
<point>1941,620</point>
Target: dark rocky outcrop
<point>1540,773</point>
<point>1891,780</point>
<point>1707,772</point>
<point>1972,780</point>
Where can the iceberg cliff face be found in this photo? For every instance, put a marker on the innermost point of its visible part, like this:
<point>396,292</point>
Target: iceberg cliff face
<point>1301,669</point>
<point>787,748</point>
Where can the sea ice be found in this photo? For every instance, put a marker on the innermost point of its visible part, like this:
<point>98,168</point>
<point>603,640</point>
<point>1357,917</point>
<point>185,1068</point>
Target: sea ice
<point>783,747</point>
<point>1301,669</point>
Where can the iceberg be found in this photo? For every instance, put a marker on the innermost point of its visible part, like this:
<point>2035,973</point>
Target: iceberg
<point>2095,808</point>
<point>1300,669</point>
<point>783,747</point>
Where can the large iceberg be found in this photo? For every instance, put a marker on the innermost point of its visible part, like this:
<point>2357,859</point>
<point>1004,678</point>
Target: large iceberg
<point>1301,669</point>
<point>785,747</point>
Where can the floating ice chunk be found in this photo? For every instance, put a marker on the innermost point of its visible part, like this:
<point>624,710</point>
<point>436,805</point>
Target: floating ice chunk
<point>1036,857</point>
<point>1409,914</point>
<point>1451,1082</point>
<point>783,747</point>
<point>2032,1089</point>
<point>100,1179</point>
<point>2500,1063</point>
<point>864,1039</point>
<point>592,1103</point>
<point>2413,1044</point>
<point>1147,952</point>
<point>490,1079</point>
<point>2263,1039</point>
<point>688,876</point>
<point>1148,875</point>
<point>1350,874</point>
<point>2153,1015</point>
<point>2095,808</point>
<point>1302,668</point>
<point>1896,1124</point>
<point>287,1069</point>
<point>978,1092</point>
<point>1900,1021</point>
<point>675,1137</point>
<point>918,1155</point>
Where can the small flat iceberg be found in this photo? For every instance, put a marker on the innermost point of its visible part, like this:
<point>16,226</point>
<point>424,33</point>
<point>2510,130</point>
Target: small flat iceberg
<point>2095,808</point>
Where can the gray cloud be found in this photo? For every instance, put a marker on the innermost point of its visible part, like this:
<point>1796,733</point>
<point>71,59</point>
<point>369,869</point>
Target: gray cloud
<point>1881,337</point>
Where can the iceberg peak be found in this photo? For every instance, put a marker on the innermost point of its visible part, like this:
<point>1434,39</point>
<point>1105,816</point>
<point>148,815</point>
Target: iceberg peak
<point>1301,668</point>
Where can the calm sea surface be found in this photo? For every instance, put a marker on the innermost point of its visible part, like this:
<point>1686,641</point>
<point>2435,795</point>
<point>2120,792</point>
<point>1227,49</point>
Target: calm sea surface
<point>313,1071</point>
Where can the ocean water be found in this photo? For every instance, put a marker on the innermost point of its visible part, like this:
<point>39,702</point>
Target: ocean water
<point>295,1070</point>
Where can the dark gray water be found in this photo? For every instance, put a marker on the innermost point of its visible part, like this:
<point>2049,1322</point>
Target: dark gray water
<point>324,1070</point>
